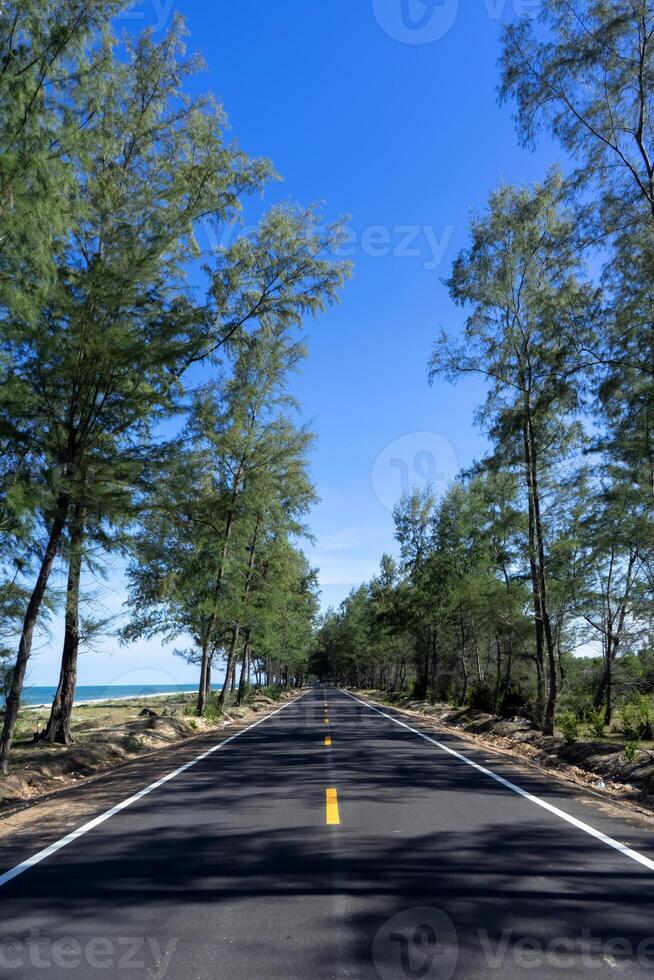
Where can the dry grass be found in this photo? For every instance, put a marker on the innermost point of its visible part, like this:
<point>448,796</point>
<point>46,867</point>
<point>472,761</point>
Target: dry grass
<point>106,735</point>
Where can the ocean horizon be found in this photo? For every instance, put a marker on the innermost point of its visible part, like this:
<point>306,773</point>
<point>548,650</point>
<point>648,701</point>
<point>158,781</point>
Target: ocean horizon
<point>103,692</point>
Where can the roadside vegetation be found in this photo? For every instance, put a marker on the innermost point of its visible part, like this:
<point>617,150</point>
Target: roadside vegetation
<point>144,409</point>
<point>526,589</point>
<point>112,733</point>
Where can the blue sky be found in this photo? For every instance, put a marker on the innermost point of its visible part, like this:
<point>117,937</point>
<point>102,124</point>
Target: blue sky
<point>386,110</point>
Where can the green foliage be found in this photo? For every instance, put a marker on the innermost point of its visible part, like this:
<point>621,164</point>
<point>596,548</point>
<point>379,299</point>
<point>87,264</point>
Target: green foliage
<point>6,674</point>
<point>568,724</point>
<point>514,703</point>
<point>273,691</point>
<point>481,698</point>
<point>215,556</point>
<point>637,715</point>
<point>595,719</point>
<point>214,710</point>
<point>631,750</point>
<point>247,694</point>
<point>132,743</point>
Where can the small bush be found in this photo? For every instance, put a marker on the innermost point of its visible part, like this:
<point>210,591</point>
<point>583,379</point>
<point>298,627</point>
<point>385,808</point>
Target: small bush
<point>132,743</point>
<point>631,750</point>
<point>213,710</point>
<point>513,703</point>
<point>569,725</point>
<point>637,717</point>
<point>595,719</point>
<point>453,696</point>
<point>482,699</point>
<point>581,704</point>
<point>273,691</point>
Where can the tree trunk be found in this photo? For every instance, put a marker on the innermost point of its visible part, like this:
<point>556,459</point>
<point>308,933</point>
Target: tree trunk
<point>498,673</point>
<point>462,652</point>
<point>422,669</point>
<point>245,668</point>
<point>481,680</point>
<point>58,728</point>
<point>604,693</point>
<point>434,665</point>
<point>204,678</point>
<point>246,592</point>
<point>509,664</point>
<point>550,646</point>
<point>27,635</point>
<point>545,708</point>
<point>236,629</point>
<point>208,677</point>
<point>205,671</point>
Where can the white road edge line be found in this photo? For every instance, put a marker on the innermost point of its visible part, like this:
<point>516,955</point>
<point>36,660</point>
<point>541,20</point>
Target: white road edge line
<point>85,828</point>
<point>579,824</point>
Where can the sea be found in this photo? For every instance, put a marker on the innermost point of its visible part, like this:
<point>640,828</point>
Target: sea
<point>103,692</point>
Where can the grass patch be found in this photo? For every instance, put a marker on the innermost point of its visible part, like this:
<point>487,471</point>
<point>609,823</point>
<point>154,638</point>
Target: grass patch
<point>132,743</point>
<point>272,691</point>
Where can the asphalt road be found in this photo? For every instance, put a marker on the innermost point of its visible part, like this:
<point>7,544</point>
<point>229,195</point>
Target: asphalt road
<point>379,855</point>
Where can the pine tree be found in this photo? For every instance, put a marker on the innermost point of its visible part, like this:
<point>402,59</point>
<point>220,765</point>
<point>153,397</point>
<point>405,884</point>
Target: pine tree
<point>530,316</point>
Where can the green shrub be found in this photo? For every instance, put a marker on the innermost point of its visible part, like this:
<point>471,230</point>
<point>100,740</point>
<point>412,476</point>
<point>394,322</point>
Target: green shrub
<point>132,743</point>
<point>569,725</point>
<point>453,696</point>
<point>637,716</point>
<point>631,750</point>
<point>481,698</point>
<point>580,704</point>
<point>514,702</point>
<point>213,710</point>
<point>596,721</point>
<point>273,691</point>
<point>247,694</point>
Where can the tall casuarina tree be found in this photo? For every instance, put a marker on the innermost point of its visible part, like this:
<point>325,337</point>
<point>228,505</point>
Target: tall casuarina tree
<point>529,313</point>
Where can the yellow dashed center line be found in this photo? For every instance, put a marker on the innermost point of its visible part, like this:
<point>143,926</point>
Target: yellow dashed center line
<point>331,806</point>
